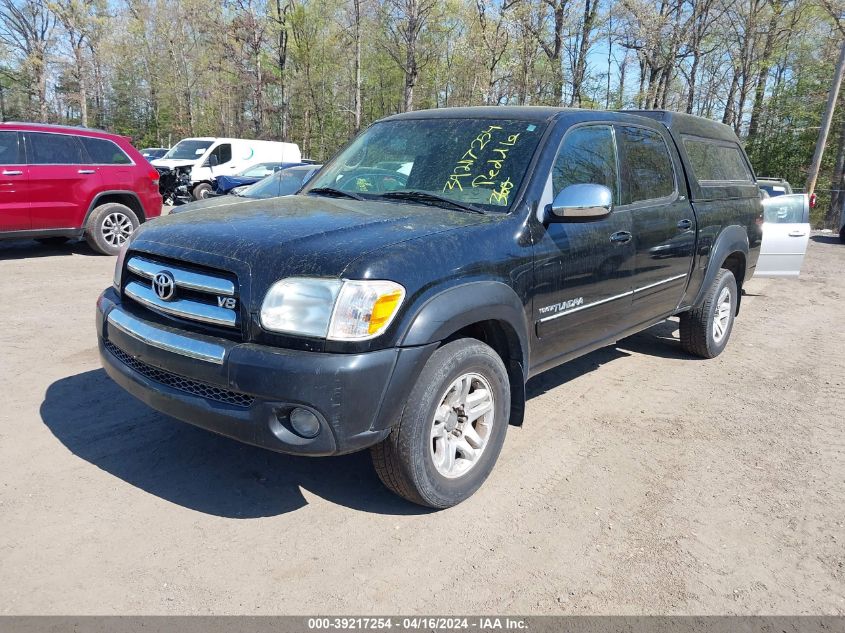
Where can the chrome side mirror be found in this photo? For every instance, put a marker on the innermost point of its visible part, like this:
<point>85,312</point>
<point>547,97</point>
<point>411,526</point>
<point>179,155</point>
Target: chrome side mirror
<point>582,202</point>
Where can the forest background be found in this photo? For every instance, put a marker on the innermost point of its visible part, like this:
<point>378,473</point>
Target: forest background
<point>317,71</point>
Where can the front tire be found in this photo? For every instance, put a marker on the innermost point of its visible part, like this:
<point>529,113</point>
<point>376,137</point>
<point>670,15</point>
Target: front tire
<point>452,429</point>
<point>109,227</point>
<point>705,330</point>
<point>201,191</point>
<point>842,235</point>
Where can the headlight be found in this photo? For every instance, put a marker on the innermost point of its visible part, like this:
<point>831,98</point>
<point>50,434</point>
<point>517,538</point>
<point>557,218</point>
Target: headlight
<point>300,306</point>
<point>329,308</point>
<point>118,265</point>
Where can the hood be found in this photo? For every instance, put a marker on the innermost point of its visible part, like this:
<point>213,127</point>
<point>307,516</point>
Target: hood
<point>171,163</point>
<point>301,235</point>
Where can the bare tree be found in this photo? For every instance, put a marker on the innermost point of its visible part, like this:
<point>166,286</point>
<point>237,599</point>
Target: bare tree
<point>552,43</point>
<point>407,21</point>
<point>249,35</point>
<point>279,17</point>
<point>26,26</point>
<point>495,40</point>
<point>79,21</point>
<point>356,30</point>
<point>585,40</point>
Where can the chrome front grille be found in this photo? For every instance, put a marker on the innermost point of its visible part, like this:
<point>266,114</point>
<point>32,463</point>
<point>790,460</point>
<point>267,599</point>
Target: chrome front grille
<point>201,296</point>
<point>181,383</point>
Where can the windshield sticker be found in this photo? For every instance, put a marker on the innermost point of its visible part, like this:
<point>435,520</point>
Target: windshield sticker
<point>468,171</point>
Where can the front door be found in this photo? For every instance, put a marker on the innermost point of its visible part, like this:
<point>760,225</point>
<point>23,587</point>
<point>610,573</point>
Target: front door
<point>664,224</point>
<point>582,268</point>
<point>786,232</point>
<point>14,193</point>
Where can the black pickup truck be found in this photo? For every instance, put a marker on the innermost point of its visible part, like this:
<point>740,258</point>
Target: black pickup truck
<point>402,300</point>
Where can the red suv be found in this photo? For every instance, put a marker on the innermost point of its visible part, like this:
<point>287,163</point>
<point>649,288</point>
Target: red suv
<point>60,182</point>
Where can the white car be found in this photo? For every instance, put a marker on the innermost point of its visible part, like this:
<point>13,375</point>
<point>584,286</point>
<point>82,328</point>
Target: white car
<point>209,158</point>
<point>786,232</point>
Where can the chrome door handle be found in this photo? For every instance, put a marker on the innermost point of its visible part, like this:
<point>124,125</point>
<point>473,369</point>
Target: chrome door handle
<point>797,233</point>
<point>685,225</point>
<point>86,171</point>
<point>12,172</point>
<point>621,237</point>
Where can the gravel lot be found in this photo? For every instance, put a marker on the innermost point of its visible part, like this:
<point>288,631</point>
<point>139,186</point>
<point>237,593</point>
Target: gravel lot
<point>643,481</point>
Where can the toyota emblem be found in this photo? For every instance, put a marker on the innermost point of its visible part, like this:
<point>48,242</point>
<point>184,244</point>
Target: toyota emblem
<point>164,285</point>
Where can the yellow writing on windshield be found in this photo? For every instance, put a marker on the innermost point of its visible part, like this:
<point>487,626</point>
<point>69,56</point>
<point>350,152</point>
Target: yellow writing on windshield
<point>464,166</point>
<point>470,171</point>
<point>500,196</point>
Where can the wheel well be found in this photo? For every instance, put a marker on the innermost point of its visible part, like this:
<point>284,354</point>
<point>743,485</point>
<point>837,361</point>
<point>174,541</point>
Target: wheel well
<point>126,199</point>
<point>735,262</point>
<point>501,336</point>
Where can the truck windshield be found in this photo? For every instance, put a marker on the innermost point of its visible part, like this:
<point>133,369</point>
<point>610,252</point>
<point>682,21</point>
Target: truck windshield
<point>188,149</point>
<point>478,162</point>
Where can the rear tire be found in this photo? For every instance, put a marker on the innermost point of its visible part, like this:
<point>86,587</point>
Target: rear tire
<point>452,429</point>
<point>705,330</point>
<point>201,191</point>
<point>842,235</point>
<point>109,227</point>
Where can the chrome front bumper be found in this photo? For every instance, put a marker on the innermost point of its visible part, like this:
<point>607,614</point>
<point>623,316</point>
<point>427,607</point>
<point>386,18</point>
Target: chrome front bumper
<point>192,347</point>
<point>245,391</point>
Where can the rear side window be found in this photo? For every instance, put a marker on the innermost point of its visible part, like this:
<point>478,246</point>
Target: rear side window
<point>716,162</point>
<point>587,156</point>
<point>646,167</point>
<point>105,152</point>
<point>9,154</point>
<point>55,149</point>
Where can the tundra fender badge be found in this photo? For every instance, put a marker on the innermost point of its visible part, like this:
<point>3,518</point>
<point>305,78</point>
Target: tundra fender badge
<point>563,305</point>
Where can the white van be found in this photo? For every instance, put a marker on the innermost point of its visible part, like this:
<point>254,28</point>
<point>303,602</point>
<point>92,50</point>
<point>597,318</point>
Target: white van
<point>211,157</point>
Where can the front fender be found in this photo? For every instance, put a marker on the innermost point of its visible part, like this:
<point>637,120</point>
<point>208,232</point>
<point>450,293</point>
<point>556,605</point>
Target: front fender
<point>465,304</point>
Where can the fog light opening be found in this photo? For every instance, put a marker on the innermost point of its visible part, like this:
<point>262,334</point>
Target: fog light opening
<point>304,423</point>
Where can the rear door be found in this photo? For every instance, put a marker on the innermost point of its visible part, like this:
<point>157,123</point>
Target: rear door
<point>786,232</point>
<point>664,223</point>
<point>62,181</point>
<point>112,164</point>
<point>14,194</point>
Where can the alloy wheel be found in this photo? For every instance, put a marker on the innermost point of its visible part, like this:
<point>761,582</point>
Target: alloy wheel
<point>722,315</point>
<point>462,425</point>
<point>117,228</point>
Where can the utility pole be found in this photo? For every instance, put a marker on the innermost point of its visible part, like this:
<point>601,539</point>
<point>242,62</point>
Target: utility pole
<point>813,175</point>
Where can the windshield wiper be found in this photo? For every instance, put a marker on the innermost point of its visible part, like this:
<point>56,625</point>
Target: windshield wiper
<point>431,198</point>
<point>335,193</point>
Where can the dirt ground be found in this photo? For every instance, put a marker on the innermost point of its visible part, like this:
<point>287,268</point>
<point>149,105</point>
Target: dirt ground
<point>643,481</point>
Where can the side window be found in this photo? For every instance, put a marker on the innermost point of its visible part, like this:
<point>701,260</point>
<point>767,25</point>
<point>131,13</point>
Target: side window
<point>646,167</point>
<point>223,153</point>
<point>587,156</point>
<point>716,162</point>
<point>9,154</point>
<point>55,149</point>
<point>104,152</point>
